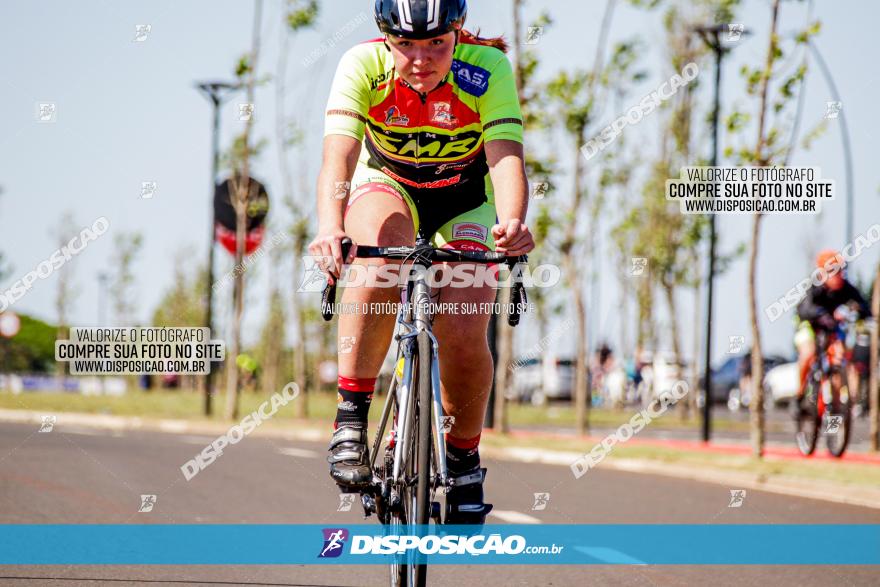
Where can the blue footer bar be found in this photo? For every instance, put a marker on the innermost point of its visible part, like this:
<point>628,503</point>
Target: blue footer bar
<point>605,544</point>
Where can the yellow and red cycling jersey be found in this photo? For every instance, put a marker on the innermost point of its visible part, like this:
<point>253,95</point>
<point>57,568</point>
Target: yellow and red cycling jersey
<point>431,141</point>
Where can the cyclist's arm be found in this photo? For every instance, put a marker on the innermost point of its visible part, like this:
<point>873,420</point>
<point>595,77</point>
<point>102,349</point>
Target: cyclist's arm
<point>808,309</point>
<point>339,160</point>
<point>344,123</point>
<point>859,301</point>
<point>508,173</point>
<point>501,117</point>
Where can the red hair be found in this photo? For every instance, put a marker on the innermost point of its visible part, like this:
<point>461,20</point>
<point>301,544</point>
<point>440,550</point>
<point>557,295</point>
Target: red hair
<point>475,39</point>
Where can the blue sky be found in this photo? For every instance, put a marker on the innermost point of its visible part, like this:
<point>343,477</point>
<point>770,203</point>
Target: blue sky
<point>127,113</point>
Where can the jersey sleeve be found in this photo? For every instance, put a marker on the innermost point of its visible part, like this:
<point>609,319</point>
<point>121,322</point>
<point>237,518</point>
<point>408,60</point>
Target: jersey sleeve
<point>856,297</point>
<point>349,99</point>
<point>808,309</point>
<point>499,107</point>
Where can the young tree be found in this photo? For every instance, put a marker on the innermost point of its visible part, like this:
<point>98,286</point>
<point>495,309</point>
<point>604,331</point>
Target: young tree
<point>241,196</point>
<point>297,16</point>
<point>122,279</point>
<point>525,65</point>
<point>574,95</point>
<point>184,302</point>
<point>768,150</point>
<point>64,290</point>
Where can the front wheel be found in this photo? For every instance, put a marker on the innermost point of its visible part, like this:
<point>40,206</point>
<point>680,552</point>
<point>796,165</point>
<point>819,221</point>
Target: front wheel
<point>807,420</point>
<point>423,445</point>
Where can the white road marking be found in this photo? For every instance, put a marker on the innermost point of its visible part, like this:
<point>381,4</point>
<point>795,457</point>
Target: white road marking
<point>298,452</point>
<point>514,517</point>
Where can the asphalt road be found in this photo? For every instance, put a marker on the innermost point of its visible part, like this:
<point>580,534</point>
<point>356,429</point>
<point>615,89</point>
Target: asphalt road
<point>82,475</point>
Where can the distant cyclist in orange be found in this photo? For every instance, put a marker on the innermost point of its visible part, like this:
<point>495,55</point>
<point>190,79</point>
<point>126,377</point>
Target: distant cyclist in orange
<point>820,310</point>
<point>425,124</point>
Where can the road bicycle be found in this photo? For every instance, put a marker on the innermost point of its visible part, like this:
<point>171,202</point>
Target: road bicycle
<point>827,407</point>
<point>413,466</point>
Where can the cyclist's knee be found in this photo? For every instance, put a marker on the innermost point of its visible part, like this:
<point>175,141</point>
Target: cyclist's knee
<point>380,219</point>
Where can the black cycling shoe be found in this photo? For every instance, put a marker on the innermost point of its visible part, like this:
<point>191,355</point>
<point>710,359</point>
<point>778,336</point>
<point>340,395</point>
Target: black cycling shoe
<point>349,459</point>
<point>464,500</point>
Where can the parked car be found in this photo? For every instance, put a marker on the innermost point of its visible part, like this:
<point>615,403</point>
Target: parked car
<point>781,383</point>
<point>725,380</point>
<point>539,380</point>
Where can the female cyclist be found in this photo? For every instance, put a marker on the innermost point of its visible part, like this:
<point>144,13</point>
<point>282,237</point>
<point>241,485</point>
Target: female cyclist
<point>424,125</point>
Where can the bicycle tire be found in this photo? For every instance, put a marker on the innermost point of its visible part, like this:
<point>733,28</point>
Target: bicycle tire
<point>838,441</point>
<point>403,573</point>
<point>808,423</point>
<point>423,448</point>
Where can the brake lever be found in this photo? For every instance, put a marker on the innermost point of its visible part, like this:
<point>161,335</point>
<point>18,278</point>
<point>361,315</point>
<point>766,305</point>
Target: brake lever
<point>328,297</point>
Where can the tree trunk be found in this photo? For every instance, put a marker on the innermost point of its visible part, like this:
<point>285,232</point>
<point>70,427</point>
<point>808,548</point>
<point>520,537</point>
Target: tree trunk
<point>669,290</point>
<point>873,387</point>
<point>232,383</point>
<point>240,194</point>
<point>756,407</point>
<point>583,395</point>
<point>697,350</point>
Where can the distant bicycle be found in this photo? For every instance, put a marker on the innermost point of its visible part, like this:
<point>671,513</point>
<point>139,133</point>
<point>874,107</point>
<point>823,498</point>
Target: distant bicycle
<point>827,406</point>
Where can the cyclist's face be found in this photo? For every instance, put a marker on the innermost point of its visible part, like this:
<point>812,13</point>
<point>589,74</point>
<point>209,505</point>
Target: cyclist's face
<point>423,63</point>
<point>835,282</point>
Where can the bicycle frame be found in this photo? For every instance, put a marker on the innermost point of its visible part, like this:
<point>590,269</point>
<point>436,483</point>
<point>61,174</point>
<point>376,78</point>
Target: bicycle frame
<point>412,319</point>
<point>416,344</point>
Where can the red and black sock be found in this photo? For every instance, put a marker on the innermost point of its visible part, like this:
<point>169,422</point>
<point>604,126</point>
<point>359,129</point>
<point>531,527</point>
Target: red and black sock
<point>462,454</point>
<point>353,401</point>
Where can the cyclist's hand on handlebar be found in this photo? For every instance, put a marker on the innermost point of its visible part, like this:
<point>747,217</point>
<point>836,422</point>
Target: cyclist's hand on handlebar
<point>513,238</point>
<point>328,246</point>
<point>827,321</point>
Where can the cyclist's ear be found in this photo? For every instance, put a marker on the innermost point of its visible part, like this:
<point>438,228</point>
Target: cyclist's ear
<point>385,42</point>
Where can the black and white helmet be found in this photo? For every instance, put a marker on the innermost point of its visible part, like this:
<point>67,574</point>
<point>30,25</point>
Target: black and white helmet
<point>420,19</point>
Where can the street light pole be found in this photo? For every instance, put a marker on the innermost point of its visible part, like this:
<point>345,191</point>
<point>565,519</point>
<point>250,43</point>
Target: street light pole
<point>711,35</point>
<point>216,92</point>
<point>844,130</point>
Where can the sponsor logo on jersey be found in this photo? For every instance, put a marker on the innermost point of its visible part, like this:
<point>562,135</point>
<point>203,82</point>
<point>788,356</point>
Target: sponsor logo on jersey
<point>442,114</point>
<point>447,166</point>
<point>420,146</point>
<point>375,82</point>
<point>470,78</point>
<point>470,230</point>
<point>440,183</point>
<point>394,117</point>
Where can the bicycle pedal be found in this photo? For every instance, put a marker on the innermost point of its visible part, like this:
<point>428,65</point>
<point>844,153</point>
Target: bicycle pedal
<point>369,504</point>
